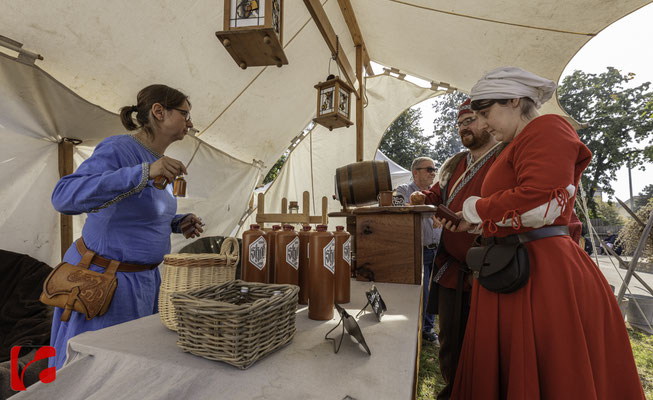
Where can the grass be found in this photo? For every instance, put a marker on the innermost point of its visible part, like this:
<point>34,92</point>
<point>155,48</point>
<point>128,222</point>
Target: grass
<point>430,382</point>
<point>642,345</point>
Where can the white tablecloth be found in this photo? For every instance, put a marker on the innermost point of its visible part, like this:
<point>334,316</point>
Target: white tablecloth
<point>140,360</point>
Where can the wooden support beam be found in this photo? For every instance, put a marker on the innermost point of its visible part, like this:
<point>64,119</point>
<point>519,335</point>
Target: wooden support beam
<point>359,105</point>
<point>356,35</point>
<point>324,26</point>
<point>65,168</point>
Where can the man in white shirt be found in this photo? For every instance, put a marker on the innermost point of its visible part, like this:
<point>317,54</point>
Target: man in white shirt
<point>424,172</point>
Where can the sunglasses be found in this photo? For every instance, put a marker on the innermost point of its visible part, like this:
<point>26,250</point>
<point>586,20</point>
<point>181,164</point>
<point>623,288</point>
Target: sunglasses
<point>428,169</point>
<point>350,324</point>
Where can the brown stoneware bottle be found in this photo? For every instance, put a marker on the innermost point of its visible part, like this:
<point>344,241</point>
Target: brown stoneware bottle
<point>304,235</point>
<point>287,256</point>
<point>255,255</point>
<point>343,265</point>
<point>322,266</point>
<point>272,237</point>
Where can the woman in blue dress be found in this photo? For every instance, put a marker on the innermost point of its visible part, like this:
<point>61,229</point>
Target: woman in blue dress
<point>129,220</point>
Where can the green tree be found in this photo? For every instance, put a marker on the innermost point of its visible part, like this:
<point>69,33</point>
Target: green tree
<point>276,168</point>
<point>608,212</point>
<point>643,197</point>
<point>445,127</point>
<point>618,119</point>
<point>404,140</point>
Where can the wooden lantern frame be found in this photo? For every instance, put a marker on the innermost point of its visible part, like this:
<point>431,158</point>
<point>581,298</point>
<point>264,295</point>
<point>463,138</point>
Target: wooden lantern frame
<point>257,45</point>
<point>334,119</point>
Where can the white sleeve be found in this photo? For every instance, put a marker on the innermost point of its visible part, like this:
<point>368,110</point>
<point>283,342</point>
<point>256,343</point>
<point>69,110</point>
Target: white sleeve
<point>534,218</point>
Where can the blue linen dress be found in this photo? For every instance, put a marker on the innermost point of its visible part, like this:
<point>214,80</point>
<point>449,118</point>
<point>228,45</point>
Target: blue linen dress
<point>128,220</point>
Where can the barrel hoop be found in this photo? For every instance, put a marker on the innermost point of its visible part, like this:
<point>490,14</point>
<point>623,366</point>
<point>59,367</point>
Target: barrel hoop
<point>351,185</point>
<point>389,176</point>
<point>339,190</point>
<point>376,177</point>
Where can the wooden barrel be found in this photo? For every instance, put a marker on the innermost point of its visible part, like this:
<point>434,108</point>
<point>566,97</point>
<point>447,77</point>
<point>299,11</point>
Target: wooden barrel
<point>359,184</point>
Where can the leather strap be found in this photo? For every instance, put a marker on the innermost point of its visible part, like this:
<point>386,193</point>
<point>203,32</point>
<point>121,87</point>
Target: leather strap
<point>111,266</point>
<point>541,233</point>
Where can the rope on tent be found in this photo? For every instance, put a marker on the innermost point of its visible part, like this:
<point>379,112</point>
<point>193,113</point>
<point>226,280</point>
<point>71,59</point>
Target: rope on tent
<point>594,234</point>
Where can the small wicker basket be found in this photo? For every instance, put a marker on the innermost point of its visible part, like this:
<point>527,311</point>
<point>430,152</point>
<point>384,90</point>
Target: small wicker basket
<point>212,326</point>
<point>186,271</point>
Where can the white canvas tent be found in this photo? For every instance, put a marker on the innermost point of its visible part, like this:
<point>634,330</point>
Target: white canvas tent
<point>398,174</point>
<point>98,54</point>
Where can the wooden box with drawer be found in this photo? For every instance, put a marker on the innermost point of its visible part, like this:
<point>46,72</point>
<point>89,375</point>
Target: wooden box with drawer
<point>389,243</point>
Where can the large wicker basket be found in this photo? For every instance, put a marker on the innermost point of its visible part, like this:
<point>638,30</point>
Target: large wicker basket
<point>212,326</point>
<point>185,271</point>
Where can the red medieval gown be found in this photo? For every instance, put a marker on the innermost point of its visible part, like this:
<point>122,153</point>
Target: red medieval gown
<point>561,336</point>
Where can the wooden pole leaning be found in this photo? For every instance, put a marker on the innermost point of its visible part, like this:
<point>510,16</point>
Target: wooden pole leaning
<point>65,168</point>
<point>633,262</point>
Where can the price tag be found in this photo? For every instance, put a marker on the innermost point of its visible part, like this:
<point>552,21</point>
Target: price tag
<point>374,299</point>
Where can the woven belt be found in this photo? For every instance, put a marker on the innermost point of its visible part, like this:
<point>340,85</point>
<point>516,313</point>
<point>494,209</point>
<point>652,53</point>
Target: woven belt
<point>541,233</point>
<point>104,262</point>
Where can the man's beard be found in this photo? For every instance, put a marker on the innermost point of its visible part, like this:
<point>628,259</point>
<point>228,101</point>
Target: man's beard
<point>473,141</point>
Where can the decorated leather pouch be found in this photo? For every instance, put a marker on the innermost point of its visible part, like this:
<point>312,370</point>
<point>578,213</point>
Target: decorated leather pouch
<point>500,268</point>
<point>77,288</point>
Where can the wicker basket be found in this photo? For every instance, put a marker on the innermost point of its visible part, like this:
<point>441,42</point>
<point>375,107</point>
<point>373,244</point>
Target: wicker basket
<point>185,271</point>
<point>210,325</point>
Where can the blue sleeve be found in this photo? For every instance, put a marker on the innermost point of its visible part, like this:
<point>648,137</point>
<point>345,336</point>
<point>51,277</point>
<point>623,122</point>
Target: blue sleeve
<point>106,177</point>
<point>176,222</point>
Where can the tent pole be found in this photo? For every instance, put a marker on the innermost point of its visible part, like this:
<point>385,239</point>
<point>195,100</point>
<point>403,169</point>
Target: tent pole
<point>66,168</point>
<point>359,103</point>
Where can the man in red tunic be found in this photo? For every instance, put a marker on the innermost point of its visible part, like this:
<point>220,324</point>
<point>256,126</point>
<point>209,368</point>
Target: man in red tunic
<point>461,176</point>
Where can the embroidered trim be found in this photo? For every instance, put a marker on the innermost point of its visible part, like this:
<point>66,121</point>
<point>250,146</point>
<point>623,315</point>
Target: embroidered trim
<point>441,271</point>
<point>475,168</point>
<point>145,175</point>
<point>154,153</point>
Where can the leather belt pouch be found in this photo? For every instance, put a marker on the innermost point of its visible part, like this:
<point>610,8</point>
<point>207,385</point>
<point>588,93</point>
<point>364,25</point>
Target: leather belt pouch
<point>500,268</point>
<point>77,288</point>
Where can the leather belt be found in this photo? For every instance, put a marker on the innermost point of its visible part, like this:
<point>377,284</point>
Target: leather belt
<point>104,262</point>
<point>431,246</point>
<point>541,233</point>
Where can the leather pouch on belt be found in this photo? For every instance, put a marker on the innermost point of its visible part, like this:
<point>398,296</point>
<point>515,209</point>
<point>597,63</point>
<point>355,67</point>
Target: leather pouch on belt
<point>500,268</point>
<point>77,288</point>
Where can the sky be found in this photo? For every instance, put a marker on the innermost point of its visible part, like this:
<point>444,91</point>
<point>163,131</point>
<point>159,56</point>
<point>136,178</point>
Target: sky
<point>624,45</point>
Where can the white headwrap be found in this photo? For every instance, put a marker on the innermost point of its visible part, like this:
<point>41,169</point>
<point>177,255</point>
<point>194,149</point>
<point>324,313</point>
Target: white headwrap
<point>512,83</point>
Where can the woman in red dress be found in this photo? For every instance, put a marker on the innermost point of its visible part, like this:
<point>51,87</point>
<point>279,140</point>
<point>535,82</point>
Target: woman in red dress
<point>561,336</point>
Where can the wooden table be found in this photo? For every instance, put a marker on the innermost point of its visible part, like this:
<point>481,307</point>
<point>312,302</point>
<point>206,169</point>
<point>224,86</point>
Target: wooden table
<point>141,360</point>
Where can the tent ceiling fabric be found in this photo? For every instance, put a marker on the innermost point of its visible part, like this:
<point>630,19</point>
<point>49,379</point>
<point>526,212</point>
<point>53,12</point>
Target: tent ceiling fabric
<point>458,49</point>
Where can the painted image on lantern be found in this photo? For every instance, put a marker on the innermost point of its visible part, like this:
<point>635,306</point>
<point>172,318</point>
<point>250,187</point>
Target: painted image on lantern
<point>326,100</point>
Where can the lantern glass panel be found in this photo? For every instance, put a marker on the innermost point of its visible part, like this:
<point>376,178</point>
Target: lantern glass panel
<point>246,13</point>
<point>343,103</point>
<point>276,16</point>
<point>326,100</point>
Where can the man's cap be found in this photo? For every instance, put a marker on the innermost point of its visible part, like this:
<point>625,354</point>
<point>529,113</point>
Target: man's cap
<point>466,107</point>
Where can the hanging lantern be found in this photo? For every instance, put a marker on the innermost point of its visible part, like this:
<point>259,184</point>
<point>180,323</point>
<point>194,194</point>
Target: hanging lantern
<point>253,32</point>
<point>333,103</point>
